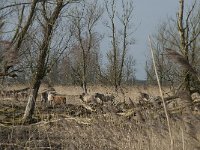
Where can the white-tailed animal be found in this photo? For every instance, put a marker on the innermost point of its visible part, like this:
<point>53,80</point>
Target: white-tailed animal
<point>44,94</point>
<point>54,99</point>
<point>96,98</point>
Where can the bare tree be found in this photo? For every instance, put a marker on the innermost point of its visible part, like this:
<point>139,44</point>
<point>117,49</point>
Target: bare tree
<point>83,23</point>
<point>121,37</point>
<point>181,35</point>
<point>164,67</point>
<point>41,68</point>
<point>129,71</point>
<point>187,39</point>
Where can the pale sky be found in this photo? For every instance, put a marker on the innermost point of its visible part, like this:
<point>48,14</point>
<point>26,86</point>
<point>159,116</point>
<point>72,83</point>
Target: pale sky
<point>148,15</point>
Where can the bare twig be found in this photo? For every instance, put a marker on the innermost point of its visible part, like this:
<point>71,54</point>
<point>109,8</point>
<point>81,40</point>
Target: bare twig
<point>13,5</point>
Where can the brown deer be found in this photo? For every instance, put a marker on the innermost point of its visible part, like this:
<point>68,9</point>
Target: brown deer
<point>54,99</point>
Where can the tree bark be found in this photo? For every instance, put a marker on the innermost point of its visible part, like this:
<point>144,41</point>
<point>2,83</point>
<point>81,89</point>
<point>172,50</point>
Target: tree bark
<point>31,103</point>
<point>41,66</point>
<point>183,45</point>
<point>184,39</point>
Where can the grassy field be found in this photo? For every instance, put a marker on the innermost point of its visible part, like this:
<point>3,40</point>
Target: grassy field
<point>73,127</point>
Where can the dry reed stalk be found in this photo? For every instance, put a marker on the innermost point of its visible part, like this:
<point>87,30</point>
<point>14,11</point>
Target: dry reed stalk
<point>181,60</point>
<point>161,94</point>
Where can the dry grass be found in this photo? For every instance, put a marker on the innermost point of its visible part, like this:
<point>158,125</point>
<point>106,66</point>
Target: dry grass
<point>64,128</point>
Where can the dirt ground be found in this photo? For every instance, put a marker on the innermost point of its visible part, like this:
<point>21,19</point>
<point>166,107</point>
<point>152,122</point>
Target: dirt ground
<point>110,127</point>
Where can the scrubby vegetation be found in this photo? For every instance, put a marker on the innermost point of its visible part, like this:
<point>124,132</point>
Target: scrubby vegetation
<point>136,123</point>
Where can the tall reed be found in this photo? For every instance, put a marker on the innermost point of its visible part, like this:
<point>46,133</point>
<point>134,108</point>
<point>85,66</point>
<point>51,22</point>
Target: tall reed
<point>161,94</point>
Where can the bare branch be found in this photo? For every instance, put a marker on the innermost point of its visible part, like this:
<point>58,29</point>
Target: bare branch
<point>13,5</point>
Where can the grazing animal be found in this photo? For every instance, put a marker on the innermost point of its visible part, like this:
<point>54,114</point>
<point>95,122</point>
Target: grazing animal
<point>87,98</point>
<point>104,98</point>
<point>97,98</point>
<point>44,94</point>
<point>54,99</point>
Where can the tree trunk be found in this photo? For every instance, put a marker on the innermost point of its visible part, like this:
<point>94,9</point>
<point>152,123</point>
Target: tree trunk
<point>184,47</point>
<point>84,78</point>
<point>123,55</point>
<point>41,68</point>
<point>30,107</point>
<point>84,86</point>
